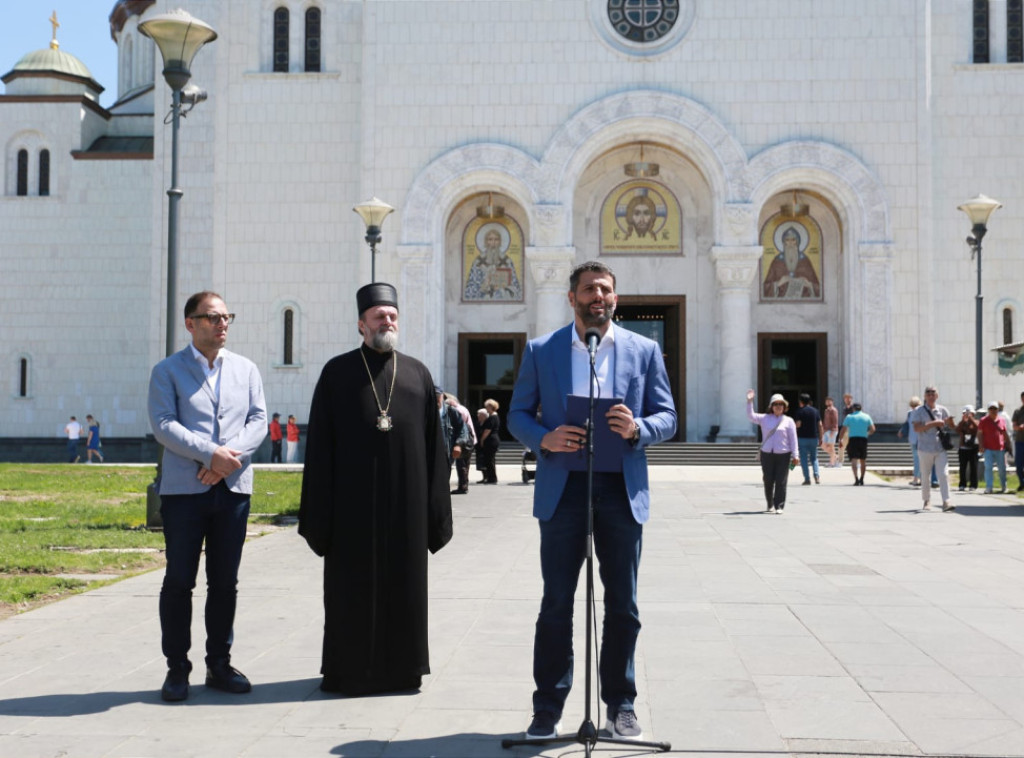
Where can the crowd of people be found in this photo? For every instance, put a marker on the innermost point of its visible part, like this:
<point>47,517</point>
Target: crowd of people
<point>930,429</point>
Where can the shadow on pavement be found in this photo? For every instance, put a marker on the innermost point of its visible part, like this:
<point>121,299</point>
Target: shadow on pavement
<point>989,510</point>
<point>81,704</point>
<point>466,744</point>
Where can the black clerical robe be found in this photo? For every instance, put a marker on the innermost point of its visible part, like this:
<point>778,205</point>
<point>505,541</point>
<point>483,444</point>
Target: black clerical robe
<point>373,504</point>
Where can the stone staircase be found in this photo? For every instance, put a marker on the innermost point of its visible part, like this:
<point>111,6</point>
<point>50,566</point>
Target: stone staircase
<point>880,454</point>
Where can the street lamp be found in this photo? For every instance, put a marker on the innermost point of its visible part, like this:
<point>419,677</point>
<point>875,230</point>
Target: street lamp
<point>978,210</point>
<point>373,212</point>
<point>179,37</point>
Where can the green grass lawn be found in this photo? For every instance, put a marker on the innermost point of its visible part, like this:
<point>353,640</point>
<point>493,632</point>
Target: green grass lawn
<point>58,521</point>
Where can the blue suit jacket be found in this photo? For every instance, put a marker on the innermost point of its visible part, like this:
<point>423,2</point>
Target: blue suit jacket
<point>545,379</point>
<point>188,421</point>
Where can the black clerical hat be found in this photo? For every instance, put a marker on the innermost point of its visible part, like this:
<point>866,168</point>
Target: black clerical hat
<point>378,293</point>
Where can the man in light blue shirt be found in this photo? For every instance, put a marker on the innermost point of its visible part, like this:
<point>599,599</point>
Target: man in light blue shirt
<point>857,426</point>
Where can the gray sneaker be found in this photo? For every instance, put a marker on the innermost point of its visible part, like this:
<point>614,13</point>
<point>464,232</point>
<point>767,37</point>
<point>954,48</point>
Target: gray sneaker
<point>624,726</point>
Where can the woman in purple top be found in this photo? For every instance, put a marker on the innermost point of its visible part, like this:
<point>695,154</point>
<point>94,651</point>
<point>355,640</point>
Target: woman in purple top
<point>778,448</point>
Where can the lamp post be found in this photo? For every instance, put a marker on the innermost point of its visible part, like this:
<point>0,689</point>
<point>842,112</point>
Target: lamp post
<point>373,212</point>
<point>179,36</point>
<point>978,210</point>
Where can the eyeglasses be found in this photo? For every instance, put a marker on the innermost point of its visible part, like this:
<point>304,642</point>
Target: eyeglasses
<point>216,318</point>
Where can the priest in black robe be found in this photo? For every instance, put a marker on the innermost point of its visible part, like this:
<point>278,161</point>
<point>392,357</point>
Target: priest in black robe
<point>375,499</point>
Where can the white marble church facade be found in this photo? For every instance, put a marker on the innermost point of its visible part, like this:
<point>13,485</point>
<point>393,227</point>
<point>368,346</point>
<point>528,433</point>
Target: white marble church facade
<point>870,122</point>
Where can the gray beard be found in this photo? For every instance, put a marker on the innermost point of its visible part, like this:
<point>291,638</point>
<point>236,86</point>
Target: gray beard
<point>385,342</point>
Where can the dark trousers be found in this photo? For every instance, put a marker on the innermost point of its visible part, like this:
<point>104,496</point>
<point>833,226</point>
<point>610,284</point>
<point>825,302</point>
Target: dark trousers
<point>563,542</point>
<point>968,467</point>
<point>72,450</point>
<point>1018,460</point>
<point>486,464</point>
<point>219,516</point>
<point>775,475</point>
<point>275,451</point>
<point>462,467</point>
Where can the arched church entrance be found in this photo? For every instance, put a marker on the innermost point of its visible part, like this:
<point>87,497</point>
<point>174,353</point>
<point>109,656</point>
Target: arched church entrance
<point>662,319</point>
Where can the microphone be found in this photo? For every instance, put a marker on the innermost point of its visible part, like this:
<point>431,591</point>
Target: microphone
<point>592,337</point>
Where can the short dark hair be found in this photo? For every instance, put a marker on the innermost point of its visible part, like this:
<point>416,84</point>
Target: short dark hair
<point>805,398</point>
<point>193,302</point>
<point>593,266</point>
<point>856,407</point>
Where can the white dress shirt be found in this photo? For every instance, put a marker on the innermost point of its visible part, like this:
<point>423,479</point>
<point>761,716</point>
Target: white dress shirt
<point>604,365</point>
<point>212,374</point>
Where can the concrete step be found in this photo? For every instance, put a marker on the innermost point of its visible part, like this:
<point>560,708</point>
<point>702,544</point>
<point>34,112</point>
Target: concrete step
<point>889,454</point>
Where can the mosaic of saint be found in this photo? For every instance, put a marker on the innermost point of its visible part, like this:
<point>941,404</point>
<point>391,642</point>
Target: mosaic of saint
<point>641,217</point>
<point>791,264</point>
<point>492,261</point>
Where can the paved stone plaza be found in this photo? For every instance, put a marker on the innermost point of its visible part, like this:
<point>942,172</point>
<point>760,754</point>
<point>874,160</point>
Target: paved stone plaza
<point>851,625</point>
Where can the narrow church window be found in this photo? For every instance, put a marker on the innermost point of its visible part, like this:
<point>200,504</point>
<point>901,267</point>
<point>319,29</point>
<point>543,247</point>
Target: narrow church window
<point>23,377</point>
<point>980,38</point>
<point>44,173</point>
<point>313,39</point>
<point>127,72</point>
<point>289,332</point>
<point>22,172</point>
<point>1015,31</point>
<point>281,39</point>
<point>1007,326</point>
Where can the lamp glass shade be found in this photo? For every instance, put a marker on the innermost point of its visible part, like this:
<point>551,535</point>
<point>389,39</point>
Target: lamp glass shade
<point>179,35</point>
<point>373,212</point>
<point>978,209</point>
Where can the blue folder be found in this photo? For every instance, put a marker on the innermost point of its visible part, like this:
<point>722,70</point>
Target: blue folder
<point>609,447</point>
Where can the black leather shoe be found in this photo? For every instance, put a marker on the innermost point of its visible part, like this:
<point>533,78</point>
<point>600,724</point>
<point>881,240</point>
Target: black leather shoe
<point>175,686</point>
<point>227,679</point>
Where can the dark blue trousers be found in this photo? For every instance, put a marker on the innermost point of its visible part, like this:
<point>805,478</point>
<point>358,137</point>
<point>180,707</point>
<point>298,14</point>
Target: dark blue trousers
<point>219,517</point>
<point>617,543</point>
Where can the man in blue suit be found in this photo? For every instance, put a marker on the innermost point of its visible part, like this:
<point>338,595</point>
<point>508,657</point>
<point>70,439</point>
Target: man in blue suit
<point>555,366</point>
<point>206,408</point>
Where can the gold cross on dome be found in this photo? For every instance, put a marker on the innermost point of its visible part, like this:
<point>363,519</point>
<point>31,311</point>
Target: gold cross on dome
<point>53,21</point>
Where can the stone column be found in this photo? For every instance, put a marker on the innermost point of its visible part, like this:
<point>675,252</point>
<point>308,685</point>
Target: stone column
<point>550,268</point>
<point>735,267</point>
<point>550,262</point>
<point>875,362</point>
<point>421,306</point>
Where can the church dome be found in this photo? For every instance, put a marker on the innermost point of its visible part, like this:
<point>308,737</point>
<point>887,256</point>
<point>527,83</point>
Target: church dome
<point>51,71</point>
<point>51,61</point>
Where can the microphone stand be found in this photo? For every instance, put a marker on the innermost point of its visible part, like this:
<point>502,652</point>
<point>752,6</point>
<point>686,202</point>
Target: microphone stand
<point>587,735</point>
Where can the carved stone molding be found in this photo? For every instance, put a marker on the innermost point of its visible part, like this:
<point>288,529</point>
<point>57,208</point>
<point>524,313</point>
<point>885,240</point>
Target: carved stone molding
<point>739,224</point>
<point>460,171</point>
<point>551,224</point>
<point>550,267</point>
<point>832,171</point>
<point>415,253</point>
<point>735,267</point>
<point>626,117</point>
<point>875,251</point>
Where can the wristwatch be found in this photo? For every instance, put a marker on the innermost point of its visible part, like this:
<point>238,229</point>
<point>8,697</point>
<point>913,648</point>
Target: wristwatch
<point>636,434</point>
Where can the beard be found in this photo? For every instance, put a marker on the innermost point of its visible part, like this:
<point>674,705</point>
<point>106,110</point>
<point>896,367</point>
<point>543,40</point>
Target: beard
<point>594,319</point>
<point>384,341</point>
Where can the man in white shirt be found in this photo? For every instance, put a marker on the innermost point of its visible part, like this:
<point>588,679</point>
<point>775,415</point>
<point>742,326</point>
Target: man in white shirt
<point>73,430</point>
<point>206,408</point>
